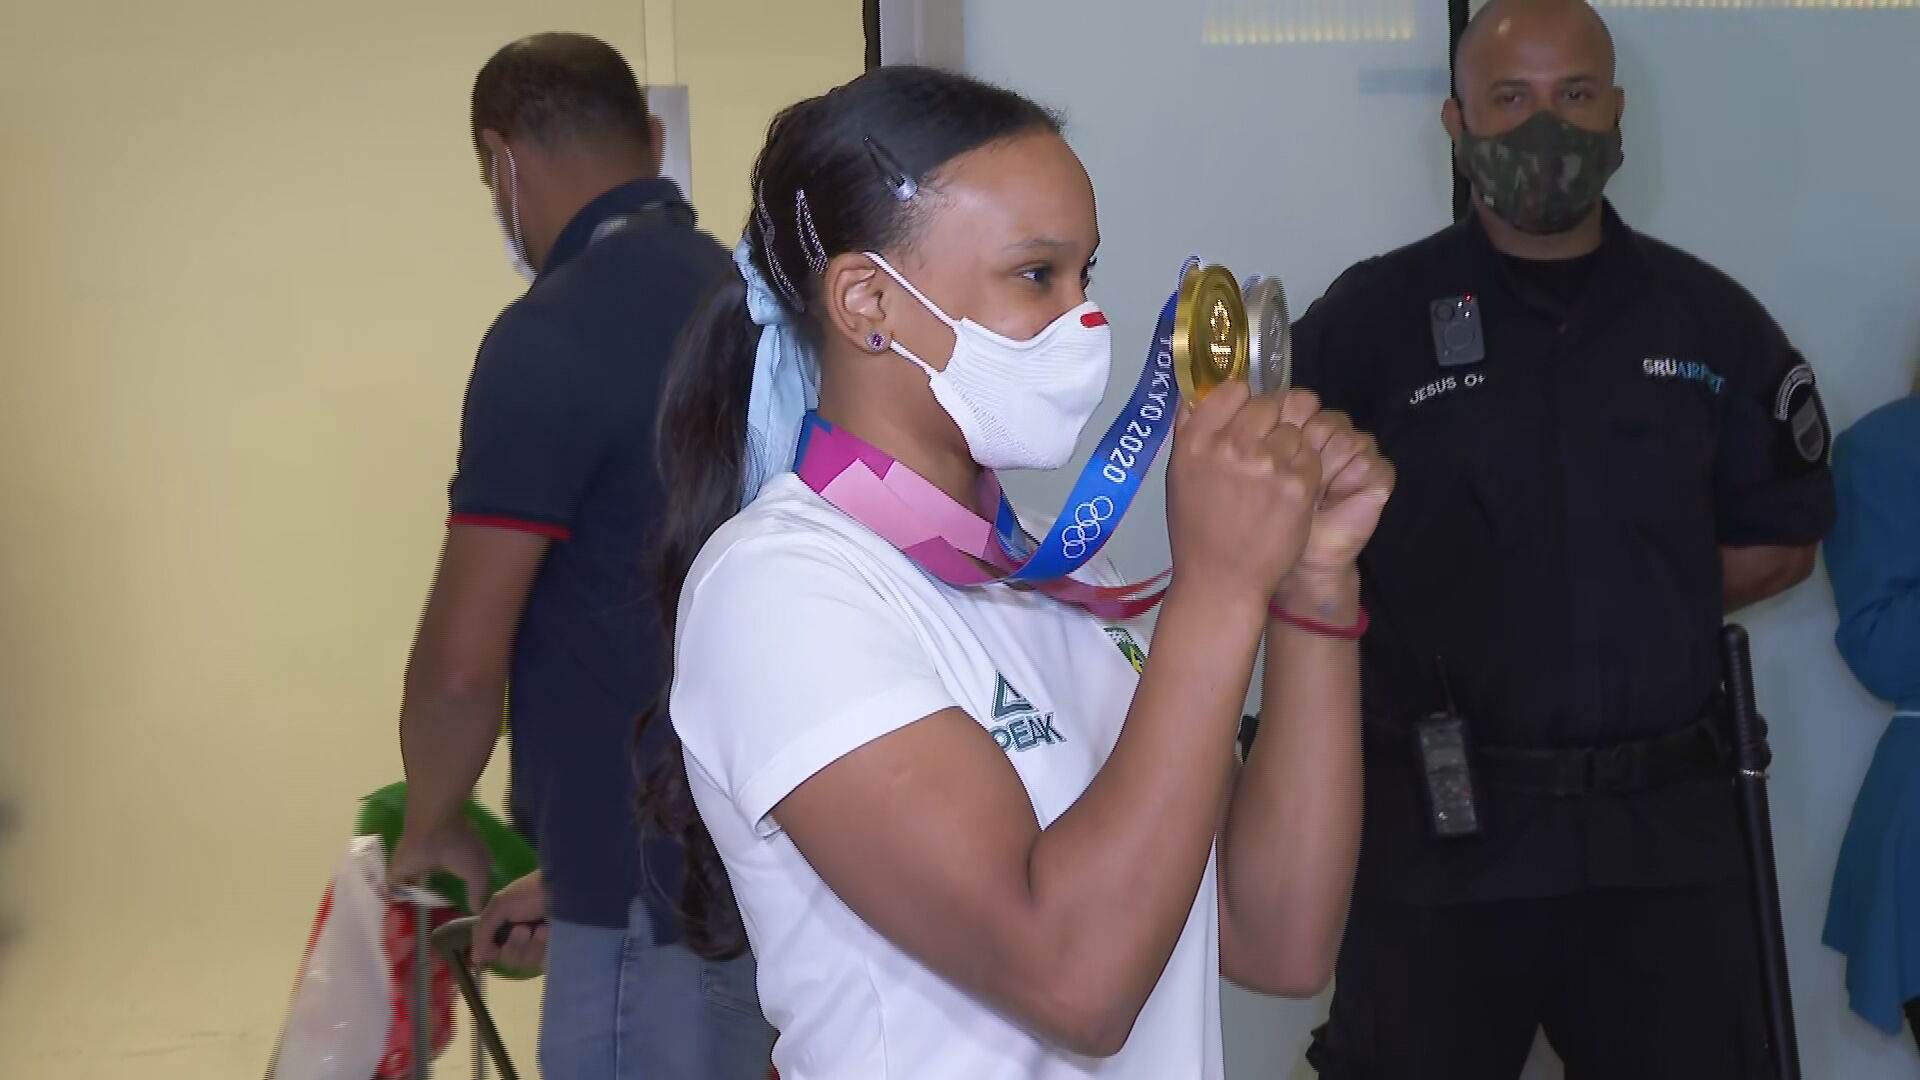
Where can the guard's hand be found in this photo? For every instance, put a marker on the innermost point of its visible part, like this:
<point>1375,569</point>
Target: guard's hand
<point>523,905</point>
<point>1241,485</point>
<point>453,847</point>
<point>1356,481</point>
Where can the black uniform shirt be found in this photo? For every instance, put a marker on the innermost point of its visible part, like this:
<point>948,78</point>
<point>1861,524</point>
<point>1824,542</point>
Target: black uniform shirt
<point>1554,539</point>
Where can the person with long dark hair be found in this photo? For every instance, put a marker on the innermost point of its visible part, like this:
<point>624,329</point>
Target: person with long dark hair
<point>973,831</point>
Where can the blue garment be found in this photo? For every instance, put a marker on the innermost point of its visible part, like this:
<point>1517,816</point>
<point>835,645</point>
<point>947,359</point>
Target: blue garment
<point>1874,552</point>
<point>1873,557</point>
<point>556,439</point>
<point>618,1007</point>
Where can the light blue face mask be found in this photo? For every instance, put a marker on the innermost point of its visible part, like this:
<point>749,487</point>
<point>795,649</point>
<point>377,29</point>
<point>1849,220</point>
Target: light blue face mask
<point>786,382</point>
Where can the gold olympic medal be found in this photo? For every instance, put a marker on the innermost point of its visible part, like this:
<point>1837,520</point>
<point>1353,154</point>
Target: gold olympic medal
<point>1270,367</point>
<point>1209,332</point>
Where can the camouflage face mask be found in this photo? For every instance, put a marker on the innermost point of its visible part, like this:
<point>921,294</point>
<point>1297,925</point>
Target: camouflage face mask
<point>1544,176</point>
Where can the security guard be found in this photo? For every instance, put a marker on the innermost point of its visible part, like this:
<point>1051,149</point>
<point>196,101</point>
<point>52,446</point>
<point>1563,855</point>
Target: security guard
<point>1604,445</point>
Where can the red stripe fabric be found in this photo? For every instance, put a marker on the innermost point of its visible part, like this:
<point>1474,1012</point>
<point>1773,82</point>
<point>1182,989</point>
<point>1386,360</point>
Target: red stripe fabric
<point>495,521</point>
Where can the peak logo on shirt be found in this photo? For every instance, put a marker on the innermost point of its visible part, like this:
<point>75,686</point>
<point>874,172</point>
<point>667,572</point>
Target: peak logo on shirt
<point>1017,725</point>
<point>1007,701</point>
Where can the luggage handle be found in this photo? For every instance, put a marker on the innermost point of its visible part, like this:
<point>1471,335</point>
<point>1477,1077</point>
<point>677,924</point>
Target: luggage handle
<point>454,941</point>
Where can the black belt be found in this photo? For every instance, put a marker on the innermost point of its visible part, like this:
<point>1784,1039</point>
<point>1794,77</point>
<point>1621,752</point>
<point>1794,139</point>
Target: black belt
<point>1695,752</point>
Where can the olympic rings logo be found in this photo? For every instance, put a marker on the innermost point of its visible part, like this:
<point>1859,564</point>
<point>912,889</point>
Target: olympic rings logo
<point>1089,521</point>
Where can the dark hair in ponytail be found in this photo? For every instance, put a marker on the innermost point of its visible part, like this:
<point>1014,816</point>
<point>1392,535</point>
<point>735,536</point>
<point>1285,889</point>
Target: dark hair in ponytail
<point>849,157</point>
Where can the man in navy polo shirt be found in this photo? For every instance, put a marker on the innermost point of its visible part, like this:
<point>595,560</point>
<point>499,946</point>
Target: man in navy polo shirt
<point>539,580</point>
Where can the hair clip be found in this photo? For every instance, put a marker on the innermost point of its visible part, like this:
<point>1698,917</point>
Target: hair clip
<point>902,186</point>
<point>810,245</point>
<point>765,219</point>
<point>760,215</point>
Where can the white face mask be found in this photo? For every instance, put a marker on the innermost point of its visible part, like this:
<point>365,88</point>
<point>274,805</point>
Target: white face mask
<point>510,227</point>
<point>1019,404</point>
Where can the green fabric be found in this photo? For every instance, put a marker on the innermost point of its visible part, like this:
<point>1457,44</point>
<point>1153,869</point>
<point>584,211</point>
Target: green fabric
<point>384,812</point>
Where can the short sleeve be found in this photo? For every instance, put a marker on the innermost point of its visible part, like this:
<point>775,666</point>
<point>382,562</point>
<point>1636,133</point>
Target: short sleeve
<point>1771,480</point>
<point>1327,342</point>
<point>786,661</point>
<point>539,418</point>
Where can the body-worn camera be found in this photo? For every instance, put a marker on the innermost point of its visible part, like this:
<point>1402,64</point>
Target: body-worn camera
<point>1457,337</point>
<point>1445,753</point>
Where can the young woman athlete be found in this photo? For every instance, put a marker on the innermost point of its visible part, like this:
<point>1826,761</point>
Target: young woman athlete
<point>972,831</point>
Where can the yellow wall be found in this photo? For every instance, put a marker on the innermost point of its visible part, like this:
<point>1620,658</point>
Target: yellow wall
<point>244,262</point>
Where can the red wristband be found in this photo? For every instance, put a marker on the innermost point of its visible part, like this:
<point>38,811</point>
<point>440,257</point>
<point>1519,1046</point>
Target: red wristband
<point>1312,626</point>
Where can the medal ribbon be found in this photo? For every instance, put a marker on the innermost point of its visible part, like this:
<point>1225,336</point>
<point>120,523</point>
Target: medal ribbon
<point>958,546</point>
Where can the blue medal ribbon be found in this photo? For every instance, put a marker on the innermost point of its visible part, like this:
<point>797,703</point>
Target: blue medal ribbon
<point>1111,478</point>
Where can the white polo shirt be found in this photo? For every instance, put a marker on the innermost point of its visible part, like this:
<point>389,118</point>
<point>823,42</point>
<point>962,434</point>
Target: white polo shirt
<point>803,636</point>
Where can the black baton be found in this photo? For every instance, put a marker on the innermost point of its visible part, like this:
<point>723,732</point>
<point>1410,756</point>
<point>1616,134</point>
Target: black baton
<point>1751,759</point>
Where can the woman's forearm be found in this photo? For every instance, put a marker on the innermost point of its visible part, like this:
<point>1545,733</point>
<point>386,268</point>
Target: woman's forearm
<point>1292,834</point>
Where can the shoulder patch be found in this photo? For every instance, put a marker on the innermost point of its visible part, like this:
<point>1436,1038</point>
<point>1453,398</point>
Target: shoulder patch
<point>1801,416</point>
<point>1800,375</point>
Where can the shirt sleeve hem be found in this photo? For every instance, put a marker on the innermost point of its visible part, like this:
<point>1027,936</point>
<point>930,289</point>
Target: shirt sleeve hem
<point>501,521</point>
<point>881,714</point>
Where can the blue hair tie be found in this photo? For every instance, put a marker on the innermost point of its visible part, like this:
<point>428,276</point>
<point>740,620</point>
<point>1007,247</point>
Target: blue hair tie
<point>786,382</point>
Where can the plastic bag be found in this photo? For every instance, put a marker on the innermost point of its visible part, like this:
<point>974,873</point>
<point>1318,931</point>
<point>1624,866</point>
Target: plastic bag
<point>338,1020</point>
<point>351,1016</point>
<point>397,1062</point>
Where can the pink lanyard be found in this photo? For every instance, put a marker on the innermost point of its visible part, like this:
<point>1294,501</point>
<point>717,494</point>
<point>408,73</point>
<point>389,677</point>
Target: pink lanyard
<point>937,533</point>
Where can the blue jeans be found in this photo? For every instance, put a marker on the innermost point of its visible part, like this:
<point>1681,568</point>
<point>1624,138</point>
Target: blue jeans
<point>619,1007</point>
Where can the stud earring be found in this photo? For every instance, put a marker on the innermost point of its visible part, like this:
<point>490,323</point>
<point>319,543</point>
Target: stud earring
<point>876,342</point>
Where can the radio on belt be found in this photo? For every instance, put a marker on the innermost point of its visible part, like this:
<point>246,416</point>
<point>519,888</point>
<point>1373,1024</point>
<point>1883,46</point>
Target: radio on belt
<point>1457,340</point>
<point>1446,767</point>
<point>1445,751</point>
